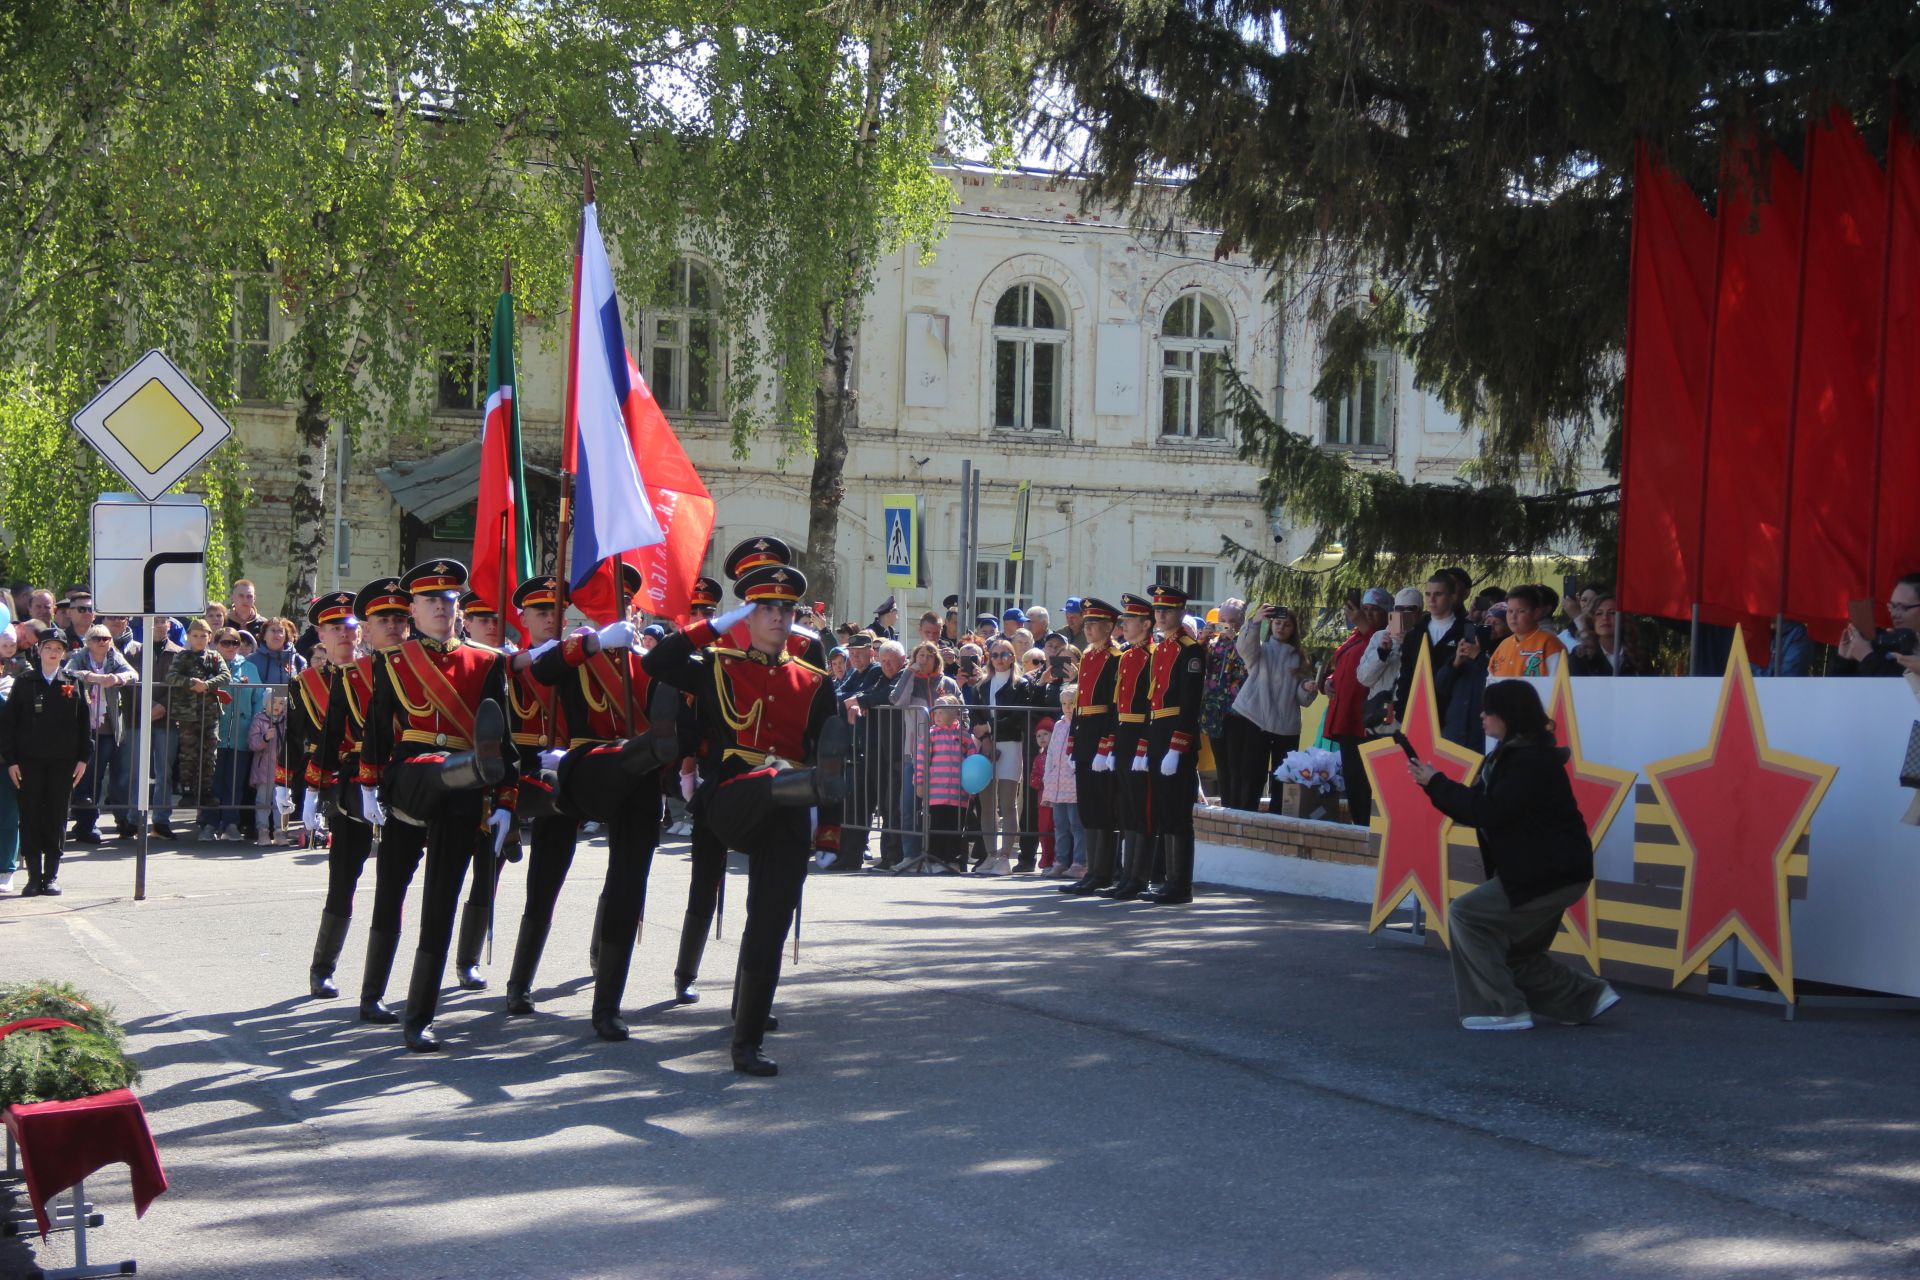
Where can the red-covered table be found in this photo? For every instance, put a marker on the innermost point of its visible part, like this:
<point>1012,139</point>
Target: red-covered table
<point>60,1143</point>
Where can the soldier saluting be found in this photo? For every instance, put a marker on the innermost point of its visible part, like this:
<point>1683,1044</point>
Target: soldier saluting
<point>763,714</point>
<point>436,743</point>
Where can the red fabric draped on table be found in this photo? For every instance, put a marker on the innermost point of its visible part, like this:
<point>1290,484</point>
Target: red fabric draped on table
<point>1831,523</point>
<point>62,1142</point>
<point>1670,304</point>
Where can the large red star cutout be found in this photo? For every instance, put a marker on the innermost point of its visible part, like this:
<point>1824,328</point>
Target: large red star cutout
<point>1413,834</point>
<point>1600,790</point>
<point>1738,809</point>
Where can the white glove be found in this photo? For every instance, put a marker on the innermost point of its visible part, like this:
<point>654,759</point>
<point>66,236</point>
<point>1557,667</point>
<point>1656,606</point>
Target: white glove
<point>551,758</point>
<point>500,823</point>
<point>689,783</point>
<point>541,648</point>
<point>310,810</point>
<point>1139,764</point>
<point>1103,763</point>
<point>1170,764</point>
<point>616,635</point>
<point>371,806</point>
<point>282,800</point>
<point>731,619</point>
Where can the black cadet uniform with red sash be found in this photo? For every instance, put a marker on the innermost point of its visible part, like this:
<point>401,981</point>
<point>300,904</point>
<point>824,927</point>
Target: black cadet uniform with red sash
<point>537,721</point>
<point>1093,724</point>
<point>325,718</point>
<point>610,775</point>
<point>399,846</point>
<point>1132,787</point>
<point>1177,680</point>
<point>760,718</point>
<point>45,732</point>
<point>436,744</point>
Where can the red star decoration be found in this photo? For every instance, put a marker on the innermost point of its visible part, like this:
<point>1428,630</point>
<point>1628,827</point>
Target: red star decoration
<point>1738,808</point>
<point>1413,834</point>
<point>1600,790</point>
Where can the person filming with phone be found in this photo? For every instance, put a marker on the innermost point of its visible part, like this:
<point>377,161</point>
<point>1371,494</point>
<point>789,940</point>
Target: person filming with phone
<point>1539,862</point>
<point>1867,651</point>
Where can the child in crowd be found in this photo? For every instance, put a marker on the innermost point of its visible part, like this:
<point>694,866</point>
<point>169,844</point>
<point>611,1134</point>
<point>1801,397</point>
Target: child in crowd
<point>936,775</point>
<point>1060,796</point>
<point>264,736</point>
<point>1037,779</point>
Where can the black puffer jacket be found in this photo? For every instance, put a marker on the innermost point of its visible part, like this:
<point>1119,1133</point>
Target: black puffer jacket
<point>1522,806</point>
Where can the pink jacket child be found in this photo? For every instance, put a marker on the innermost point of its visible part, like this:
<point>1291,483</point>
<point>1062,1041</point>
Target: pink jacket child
<point>1045,735</point>
<point>936,769</point>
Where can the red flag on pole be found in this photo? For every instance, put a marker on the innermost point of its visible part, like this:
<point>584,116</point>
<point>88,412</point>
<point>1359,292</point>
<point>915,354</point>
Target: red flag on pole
<point>1896,541</point>
<point>1832,519</point>
<point>1669,319</point>
<point>1751,388</point>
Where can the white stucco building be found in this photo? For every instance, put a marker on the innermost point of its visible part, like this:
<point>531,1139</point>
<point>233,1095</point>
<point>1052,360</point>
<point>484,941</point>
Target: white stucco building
<point>1041,342</point>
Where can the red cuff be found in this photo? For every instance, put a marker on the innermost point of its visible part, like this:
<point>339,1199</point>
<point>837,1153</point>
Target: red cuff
<point>1106,745</point>
<point>574,650</point>
<point>701,633</point>
<point>1181,741</point>
<point>316,776</point>
<point>1140,749</point>
<point>507,798</point>
<point>369,775</point>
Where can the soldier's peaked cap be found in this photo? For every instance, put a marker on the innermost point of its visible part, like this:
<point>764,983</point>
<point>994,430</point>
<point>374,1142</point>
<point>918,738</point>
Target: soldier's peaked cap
<point>771,584</point>
<point>1133,606</point>
<point>753,553</point>
<point>436,575</point>
<point>1095,607</point>
<point>537,592</point>
<point>334,606</point>
<point>382,595</point>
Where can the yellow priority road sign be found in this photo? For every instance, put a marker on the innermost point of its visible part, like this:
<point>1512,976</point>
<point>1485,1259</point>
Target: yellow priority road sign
<point>152,425</point>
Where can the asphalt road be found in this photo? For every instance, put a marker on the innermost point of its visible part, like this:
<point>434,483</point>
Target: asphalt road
<point>980,1078</point>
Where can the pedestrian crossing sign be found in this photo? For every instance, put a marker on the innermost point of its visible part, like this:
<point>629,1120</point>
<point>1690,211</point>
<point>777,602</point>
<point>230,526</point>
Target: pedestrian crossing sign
<point>901,526</point>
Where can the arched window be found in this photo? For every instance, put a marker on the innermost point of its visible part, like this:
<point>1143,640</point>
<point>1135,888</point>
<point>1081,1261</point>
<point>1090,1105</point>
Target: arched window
<point>1194,337</point>
<point>1029,360</point>
<point>684,360</point>
<point>1360,418</point>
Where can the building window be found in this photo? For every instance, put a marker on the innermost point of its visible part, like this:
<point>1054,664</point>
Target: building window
<point>1362,417</point>
<point>1194,337</point>
<point>250,334</point>
<point>463,374</point>
<point>1195,579</point>
<point>683,341</point>
<point>993,584</point>
<point>1029,360</point>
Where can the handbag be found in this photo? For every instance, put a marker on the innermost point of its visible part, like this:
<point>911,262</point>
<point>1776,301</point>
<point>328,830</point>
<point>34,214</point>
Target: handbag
<point>1910,767</point>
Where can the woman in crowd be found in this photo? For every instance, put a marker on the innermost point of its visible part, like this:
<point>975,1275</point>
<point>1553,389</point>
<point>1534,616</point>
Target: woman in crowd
<point>1263,724</point>
<point>1533,842</point>
<point>1000,699</point>
<point>276,661</point>
<point>44,744</point>
<point>1604,648</point>
<point>9,794</point>
<point>1347,694</point>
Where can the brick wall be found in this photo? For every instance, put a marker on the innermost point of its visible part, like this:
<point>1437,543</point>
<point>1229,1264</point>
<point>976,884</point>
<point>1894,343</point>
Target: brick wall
<point>1331,842</point>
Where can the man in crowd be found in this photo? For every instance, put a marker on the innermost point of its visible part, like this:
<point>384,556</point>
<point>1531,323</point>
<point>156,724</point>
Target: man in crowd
<point>40,606</point>
<point>100,673</point>
<point>1892,652</point>
<point>1531,650</point>
<point>862,675</point>
<point>884,618</point>
<point>1441,630</point>
<point>1039,622</point>
<point>243,616</point>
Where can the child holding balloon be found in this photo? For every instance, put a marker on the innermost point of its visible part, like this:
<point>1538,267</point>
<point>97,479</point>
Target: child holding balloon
<point>939,774</point>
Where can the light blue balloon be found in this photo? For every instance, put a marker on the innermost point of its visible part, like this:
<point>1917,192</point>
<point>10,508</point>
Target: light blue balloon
<point>976,773</point>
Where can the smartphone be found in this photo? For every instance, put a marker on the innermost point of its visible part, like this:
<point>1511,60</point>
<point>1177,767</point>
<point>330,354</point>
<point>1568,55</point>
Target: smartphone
<point>1396,624</point>
<point>1860,614</point>
<point>1400,740</point>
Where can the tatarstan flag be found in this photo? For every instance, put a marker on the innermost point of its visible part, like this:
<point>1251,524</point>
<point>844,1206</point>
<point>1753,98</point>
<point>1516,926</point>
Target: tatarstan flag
<point>502,545</point>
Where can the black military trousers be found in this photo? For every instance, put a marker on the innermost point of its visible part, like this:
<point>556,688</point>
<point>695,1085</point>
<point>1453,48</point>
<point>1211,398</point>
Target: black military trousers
<point>777,842</point>
<point>550,849</point>
<point>1095,792</point>
<point>401,846</point>
<point>347,854</point>
<point>598,782</point>
<point>709,873</point>
<point>45,789</point>
<point>452,843</point>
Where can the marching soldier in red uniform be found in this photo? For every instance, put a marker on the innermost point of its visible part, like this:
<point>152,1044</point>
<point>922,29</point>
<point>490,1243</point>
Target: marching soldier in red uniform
<point>384,608</point>
<point>763,714</point>
<point>309,713</point>
<point>482,623</point>
<point>1177,680</point>
<point>709,853</point>
<point>436,743</point>
<point>610,774</point>
<point>1123,754</point>
<point>1093,725</point>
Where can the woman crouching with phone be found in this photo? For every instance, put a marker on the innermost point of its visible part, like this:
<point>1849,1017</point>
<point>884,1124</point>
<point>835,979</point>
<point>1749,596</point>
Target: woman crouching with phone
<point>1539,862</point>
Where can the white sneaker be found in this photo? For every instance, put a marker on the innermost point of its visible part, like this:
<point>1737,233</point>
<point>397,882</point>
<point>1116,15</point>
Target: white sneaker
<point>6,885</point>
<point>1608,998</point>
<point>1499,1022</point>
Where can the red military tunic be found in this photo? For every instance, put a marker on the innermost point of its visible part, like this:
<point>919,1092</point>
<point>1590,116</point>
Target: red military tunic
<point>425,700</point>
<point>1130,701</point>
<point>1177,682</point>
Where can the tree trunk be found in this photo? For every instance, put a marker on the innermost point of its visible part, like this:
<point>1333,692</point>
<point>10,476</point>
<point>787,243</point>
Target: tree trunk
<point>834,410</point>
<point>313,433</point>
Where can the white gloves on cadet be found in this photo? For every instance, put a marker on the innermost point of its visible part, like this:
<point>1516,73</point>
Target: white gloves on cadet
<point>1170,764</point>
<point>1139,764</point>
<point>551,757</point>
<point>731,619</point>
<point>541,648</point>
<point>1103,763</point>
<point>689,783</point>
<point>310,810</point>
<point>615,635</point>
<point>282,800</point>
<point>371,806</point>
<point>500,823</point>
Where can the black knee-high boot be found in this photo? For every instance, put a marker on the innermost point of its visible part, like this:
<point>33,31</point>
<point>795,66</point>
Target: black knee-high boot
<point>423,998</point>
<point>473,933</point>
<point>693,945</point>
<point>373,983</point>
<point>326,955</point>
<point>526,961</point>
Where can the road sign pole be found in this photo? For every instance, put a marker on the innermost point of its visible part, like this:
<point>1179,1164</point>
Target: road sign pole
<point>144,763</point>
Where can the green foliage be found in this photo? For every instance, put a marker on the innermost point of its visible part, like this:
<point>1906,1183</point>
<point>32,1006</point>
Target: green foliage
<point>60,1065</point>
<point>1388,529</point>
<point>51,999</point>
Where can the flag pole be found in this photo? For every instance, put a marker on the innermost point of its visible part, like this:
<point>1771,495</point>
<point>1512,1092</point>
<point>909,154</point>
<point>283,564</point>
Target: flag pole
<point>506,513</point>
<point>1706,433</point>
<point>1894,127</point>
<point>570,425</point>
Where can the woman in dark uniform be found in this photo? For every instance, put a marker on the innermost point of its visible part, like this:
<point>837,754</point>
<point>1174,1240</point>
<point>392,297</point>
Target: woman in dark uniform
<point>44,745</point>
